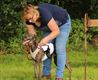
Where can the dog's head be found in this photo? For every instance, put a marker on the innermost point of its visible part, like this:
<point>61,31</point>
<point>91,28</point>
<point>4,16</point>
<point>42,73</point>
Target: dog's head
<point>35,53</point>
<point>30,48</point>
<point>30,43</point>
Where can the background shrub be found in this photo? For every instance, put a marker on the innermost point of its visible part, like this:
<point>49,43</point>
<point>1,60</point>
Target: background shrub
<point>12,29</point>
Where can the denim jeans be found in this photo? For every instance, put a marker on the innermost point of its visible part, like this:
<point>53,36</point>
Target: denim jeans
<point>60,47</point>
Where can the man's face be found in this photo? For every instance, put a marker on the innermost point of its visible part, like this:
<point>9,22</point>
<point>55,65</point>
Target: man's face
<point>31,17</point>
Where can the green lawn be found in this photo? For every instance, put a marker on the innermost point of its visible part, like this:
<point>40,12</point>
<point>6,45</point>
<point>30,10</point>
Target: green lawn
<point>17,67</point>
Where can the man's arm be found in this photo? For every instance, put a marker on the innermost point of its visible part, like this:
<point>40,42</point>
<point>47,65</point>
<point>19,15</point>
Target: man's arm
<point>54,32</point>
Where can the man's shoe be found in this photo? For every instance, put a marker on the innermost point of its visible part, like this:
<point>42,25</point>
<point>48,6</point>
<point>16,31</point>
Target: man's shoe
<point>46,77</point>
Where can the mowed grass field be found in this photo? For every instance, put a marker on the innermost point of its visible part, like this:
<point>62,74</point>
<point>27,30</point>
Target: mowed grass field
<point>17,67</point>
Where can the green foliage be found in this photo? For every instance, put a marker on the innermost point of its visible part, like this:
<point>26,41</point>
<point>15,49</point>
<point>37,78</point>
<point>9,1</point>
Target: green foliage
<point>9,18</point>
<point>15,46</point>
<point>3,47</point>
<point>76,37</point>
<point>12,28</point>
<point>77,34</point>
<point>94,9</point>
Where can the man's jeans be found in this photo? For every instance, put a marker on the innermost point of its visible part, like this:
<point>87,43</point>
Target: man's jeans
<point>60,47</point>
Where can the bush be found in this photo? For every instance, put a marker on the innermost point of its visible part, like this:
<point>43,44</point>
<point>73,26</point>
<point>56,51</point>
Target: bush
<point>3,47</point>
<point>12,28</point>
<point>76,35</point>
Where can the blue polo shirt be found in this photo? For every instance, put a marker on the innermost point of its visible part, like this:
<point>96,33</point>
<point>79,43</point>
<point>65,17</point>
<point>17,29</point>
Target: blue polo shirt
<point>49,11</point>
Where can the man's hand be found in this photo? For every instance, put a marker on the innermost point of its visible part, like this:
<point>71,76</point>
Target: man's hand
<point>43,42</point>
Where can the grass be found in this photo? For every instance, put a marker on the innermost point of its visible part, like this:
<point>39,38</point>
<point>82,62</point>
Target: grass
<point>17,67</point>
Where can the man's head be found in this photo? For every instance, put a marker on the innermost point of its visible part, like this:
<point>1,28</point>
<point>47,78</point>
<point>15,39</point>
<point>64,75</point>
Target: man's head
<point>30,13</point>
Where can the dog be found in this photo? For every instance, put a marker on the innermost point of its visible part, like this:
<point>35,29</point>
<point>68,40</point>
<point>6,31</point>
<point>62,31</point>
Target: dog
<point>34,52</point>
<point>30,45</point>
